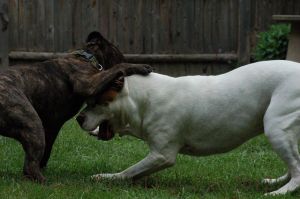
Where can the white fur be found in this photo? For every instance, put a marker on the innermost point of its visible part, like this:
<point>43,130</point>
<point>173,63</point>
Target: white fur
<point>204,115</point>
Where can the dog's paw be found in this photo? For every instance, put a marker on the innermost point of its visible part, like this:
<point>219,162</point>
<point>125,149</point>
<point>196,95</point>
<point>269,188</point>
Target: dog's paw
<point>268,181</point>
<point>148,69</point>
<point>275,193</point>
<point>141,69</point>
<point>106,176</point>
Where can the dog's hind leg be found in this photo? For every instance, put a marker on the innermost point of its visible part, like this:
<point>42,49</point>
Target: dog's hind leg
<point>30,133</point>
<point>33,141</point>
<point>34,150</point>
<point>22,122</point>
<point>285,143</point>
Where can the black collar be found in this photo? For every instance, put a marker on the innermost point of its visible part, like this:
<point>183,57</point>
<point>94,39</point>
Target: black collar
<point>89,57</point>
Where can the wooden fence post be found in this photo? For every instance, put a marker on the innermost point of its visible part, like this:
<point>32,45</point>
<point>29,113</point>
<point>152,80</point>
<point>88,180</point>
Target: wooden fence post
<point>244,31</point>
<point>4,33</point>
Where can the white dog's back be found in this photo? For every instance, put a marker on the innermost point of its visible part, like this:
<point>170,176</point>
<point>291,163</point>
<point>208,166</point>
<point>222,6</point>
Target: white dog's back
<point>200,106</point>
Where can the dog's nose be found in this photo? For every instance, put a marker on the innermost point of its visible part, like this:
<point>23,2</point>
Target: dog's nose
<point>80,119</point>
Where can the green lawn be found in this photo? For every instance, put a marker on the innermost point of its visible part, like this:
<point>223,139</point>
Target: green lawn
<point>76,156</point>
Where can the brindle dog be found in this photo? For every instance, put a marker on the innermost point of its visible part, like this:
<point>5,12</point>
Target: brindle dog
<point>36,100</point>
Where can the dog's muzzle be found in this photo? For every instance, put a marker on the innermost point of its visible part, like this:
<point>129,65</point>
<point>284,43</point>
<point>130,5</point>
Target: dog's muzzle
<point>105,131</point>
<point>80,119</point>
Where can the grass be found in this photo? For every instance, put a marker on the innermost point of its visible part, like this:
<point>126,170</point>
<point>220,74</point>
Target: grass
<point>76,156</point>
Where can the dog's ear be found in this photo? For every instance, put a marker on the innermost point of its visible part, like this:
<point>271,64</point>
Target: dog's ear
<point>94,36</point>
<point>87,84</point>
<point>111,92</point>
<point>106,97</point>
<point>105,52</point>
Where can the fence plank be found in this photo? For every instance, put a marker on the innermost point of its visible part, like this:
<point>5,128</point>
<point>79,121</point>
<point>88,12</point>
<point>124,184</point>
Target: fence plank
<point>13,22</point>
<point>30,25</point>
<point>4,25</point>
<point>146,27</point>
<point>21,27</point>
<point>77,24</point>
<point>244,31</point>
<point>40,27</point>
<point>49,26</point>
<point>140,58</point>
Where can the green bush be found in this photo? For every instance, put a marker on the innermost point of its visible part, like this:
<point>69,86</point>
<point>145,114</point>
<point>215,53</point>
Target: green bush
<point>273,43</point>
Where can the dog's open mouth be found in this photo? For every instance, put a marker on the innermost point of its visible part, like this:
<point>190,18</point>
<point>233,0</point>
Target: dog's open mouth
<point>105,131</point>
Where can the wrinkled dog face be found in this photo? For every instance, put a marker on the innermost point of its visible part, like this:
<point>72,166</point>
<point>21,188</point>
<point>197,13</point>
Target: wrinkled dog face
<point>96,120</point>
<point>98,113</point>
<point>93,115</point>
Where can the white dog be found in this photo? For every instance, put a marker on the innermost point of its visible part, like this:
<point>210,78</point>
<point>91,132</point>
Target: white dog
<point>204,115</point>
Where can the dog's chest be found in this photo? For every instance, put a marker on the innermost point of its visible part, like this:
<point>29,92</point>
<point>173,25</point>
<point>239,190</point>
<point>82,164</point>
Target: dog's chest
<point>189,150</point>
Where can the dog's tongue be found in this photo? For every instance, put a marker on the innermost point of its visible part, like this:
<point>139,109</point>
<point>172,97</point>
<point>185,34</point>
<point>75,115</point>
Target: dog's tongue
<point>105,131</point>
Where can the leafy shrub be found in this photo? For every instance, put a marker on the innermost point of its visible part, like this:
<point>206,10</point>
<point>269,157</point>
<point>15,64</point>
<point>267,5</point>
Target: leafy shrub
<point>273,43</point>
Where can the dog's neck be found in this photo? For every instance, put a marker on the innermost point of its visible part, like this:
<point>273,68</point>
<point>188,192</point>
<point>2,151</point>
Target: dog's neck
<point>89,57</point>
<point>128,118</point>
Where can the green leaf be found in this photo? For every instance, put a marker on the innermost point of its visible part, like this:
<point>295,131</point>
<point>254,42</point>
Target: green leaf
<point>273,43</point>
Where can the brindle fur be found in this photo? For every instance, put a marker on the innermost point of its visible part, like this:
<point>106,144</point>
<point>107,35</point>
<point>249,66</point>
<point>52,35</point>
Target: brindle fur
<point>36,100</point>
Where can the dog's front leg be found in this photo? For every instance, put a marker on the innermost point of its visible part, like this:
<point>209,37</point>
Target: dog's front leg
<point>163,150</point>
<point>50,136</point>
<point>153,162</point>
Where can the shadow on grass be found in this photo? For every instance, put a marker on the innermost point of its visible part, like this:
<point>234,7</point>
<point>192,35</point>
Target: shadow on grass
<point>203,187</point>
<point>172,181</point>
<point>65,176</point>
<point>175,185</point>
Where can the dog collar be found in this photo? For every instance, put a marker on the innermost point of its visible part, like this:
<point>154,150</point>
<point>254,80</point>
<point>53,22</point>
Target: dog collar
<point>90,57</point>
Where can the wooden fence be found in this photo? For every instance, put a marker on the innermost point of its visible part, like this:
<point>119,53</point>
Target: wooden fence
<point>178,36</point>
<point>4,33</point>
